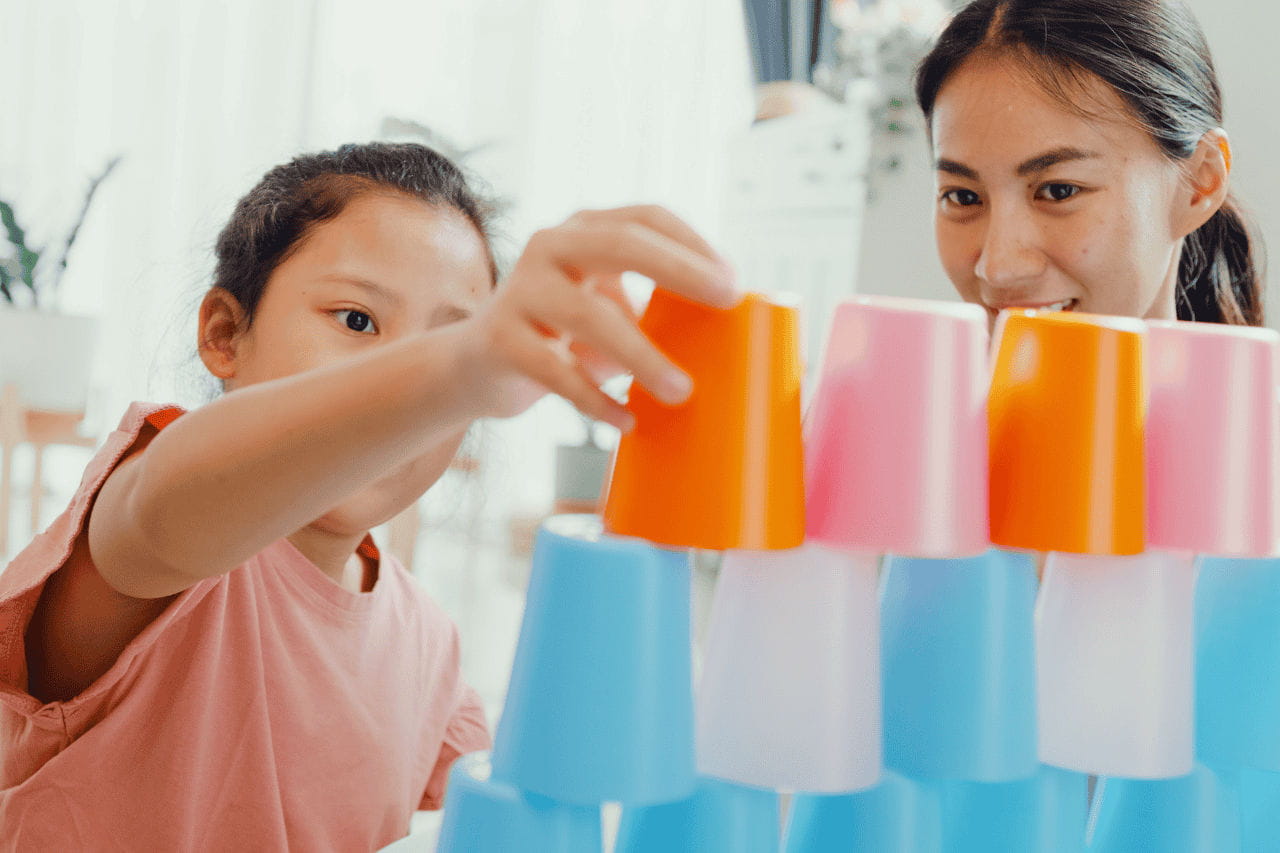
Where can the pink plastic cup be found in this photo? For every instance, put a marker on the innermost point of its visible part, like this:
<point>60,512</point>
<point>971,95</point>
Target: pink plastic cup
<point>1212,438</point>
<point>896,442</point>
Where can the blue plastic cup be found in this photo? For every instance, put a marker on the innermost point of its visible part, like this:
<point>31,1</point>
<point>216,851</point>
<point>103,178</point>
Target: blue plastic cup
<point>958,646</point>
<point>1259,810</point>
<point>1196,813</point>
<point>1237,650</point>
<point>482,815</point>
<point>899,814</point>
<point>720,817</point>
<point>600,704</point>
<point>1044,814</point>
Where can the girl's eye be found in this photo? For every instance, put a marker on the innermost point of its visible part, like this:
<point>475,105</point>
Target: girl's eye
<point>961,198</point>
<point>1057,192</point>
<point>356,321</point>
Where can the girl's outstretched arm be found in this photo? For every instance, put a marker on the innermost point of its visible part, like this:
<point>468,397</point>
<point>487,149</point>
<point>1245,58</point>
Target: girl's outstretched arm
<point>226,480</point>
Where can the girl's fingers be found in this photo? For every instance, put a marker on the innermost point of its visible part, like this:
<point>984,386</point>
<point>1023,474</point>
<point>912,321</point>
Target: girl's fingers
<point>611,286</point>
<point>615,247</point>
<point>599,367</point>
<point>597,321</point>
<point>548,365</point>
<point>659,219</point>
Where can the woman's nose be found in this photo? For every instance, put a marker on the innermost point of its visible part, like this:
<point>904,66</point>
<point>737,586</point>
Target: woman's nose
<point>1011,256</point>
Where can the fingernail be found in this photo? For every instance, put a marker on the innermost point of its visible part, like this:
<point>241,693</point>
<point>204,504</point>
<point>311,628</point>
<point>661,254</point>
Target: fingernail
<point>729,285</point>
<point>627,423</point>
<point>676,386</point>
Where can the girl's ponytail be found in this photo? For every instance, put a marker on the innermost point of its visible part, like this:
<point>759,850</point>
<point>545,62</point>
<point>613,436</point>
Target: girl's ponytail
<point>1218,279</point>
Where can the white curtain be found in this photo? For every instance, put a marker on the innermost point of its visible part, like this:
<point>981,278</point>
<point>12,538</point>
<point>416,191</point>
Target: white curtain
<point>581,102</point>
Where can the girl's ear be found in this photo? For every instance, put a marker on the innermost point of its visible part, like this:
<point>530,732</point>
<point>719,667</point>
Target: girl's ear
<point>220,326</point>
<point>1208,173</point>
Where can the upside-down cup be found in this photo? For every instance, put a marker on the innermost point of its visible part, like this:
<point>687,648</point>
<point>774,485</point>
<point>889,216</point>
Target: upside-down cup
<point>600,703</point>
<point>1115,664</point>
<point>899,814</point>
<point>958,640</point>
<point>482,815</point>
<point>724,469</point>
<point>789,696</point>
<point>1044,814</point>
<point>1237,649</point>
<point>1212,438</point>
<point>1195,813</point>
<point>1259,792</point>
<point>896,441</point>
<point>720,817</point>
<point>1066,409</point>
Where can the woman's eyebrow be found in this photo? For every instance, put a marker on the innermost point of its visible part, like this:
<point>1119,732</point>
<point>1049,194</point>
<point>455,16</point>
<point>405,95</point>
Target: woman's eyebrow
<point>1036,164</point>
<point>954,168</point>
<point>1052,158</point>
<point>364,284</point>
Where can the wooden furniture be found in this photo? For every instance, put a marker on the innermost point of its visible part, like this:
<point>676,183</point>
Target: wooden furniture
<point>40,428</point>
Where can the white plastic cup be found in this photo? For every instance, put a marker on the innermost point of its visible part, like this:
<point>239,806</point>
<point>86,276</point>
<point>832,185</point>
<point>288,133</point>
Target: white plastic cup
<point>1115,664</point>
<point>790,691</point>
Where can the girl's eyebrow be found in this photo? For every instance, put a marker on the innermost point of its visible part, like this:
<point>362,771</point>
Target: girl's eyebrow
<point>447,313</point>
<point>1036,164</point>
<point>450,313</point>
<point>364,284</point>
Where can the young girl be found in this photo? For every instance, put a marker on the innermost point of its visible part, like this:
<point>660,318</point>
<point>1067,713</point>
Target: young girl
<point>1081,162</point>
<point>206,650</point>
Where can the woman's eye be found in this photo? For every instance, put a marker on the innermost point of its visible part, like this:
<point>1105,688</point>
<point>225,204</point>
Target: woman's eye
<point>356,321</point>
<point>961,198</point>
<point>1057,192</point>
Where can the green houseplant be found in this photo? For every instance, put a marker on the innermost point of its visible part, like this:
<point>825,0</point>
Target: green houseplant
<point>44,352</point>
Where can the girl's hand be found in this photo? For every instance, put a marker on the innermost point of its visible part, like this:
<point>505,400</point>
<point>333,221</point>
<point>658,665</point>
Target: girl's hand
<point>561,322</point>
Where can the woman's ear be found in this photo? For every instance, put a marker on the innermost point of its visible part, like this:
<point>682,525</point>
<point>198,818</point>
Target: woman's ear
<point>220,327</point>
<point>1208,180</point>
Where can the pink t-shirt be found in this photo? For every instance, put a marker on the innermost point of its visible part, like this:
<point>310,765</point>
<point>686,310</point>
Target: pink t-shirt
<point>264,709</point>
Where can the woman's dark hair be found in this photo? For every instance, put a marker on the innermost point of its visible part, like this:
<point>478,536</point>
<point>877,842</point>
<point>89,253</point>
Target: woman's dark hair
<point>1154,55</point>
<point>291,199</point>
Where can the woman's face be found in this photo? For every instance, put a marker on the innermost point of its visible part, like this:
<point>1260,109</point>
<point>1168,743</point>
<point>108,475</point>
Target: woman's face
<point>387,267</point>
<point>1040,206</point>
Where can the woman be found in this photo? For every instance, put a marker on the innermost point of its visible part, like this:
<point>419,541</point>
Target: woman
<point>1082,163</point>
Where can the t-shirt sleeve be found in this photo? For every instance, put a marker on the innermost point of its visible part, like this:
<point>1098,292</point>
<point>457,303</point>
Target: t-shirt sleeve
<point>23,579</point>
<point>466,732</point>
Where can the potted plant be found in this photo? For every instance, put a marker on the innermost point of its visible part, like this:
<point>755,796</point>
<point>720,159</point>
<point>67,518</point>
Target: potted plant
<point>44,352</point>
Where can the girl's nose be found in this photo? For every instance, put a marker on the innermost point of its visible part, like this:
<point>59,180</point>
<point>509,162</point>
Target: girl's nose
<point>1011,257</point>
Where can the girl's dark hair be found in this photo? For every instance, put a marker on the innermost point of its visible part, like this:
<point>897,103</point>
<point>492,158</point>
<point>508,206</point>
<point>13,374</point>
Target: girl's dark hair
<point>1154,55</point>
<point>291,199</point>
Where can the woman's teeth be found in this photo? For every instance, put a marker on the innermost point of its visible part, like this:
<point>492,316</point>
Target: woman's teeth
<point>1064,305</point>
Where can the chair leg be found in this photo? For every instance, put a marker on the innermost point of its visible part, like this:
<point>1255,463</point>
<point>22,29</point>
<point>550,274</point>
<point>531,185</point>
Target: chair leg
<point>37,489</point>
<point>6,483</point>
<point>11,432</point>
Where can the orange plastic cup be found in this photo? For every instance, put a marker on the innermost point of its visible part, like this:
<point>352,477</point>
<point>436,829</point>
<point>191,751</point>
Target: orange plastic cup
<point>1067,412</point>
<point>725,469</point>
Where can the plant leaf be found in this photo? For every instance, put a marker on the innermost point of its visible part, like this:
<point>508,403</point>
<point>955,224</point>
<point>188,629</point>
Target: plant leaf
<point>6,278</point>
<point>26,258</point>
